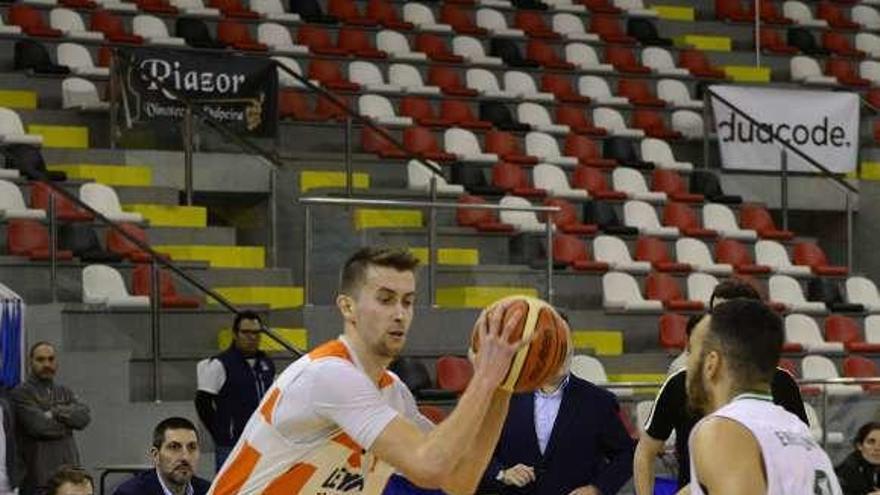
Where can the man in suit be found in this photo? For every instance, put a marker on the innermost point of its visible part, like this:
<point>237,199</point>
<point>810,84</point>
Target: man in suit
<point>175,454</point>
<point>564,439</point>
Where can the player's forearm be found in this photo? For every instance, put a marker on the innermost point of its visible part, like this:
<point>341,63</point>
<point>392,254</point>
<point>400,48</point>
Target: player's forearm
<point>643,469</point>
<point>469,470</point>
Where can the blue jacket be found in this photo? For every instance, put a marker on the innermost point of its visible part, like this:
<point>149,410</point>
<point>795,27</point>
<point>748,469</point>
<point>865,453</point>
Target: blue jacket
<point>588,445</point>
<point>241,393</point>
<point>147,483</point>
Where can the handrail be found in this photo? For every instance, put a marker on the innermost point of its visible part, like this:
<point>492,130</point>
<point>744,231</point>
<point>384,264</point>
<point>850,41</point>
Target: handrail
<point>421,204</point>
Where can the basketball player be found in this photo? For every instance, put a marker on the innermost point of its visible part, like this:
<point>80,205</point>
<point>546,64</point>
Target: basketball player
<point>336,422</point>
<point>746,444</point>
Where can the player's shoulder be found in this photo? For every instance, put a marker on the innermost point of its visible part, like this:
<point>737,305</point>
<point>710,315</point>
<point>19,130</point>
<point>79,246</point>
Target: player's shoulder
<point>723,430</point>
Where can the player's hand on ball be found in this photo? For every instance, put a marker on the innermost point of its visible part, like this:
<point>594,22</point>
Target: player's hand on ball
<point>496,351</point>
<point>519,475</point>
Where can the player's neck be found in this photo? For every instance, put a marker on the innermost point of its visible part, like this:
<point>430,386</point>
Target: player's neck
<point>374,365</point>
<point>727,392</point>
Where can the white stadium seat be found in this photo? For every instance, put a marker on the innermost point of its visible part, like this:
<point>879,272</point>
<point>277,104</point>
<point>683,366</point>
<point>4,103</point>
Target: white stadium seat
<point>7,29</point>
<point>379,109</point>
<point>278,39</point>
<point>419,179</point>
<point>868,43</point>
<point>273,10</point>
<point>410,80</point>
<point>591,369</point>
<point>660,61</point>
<point>285,80</point>
<point>660,154</point>
<point>612,120</point>
<point>872,329</point>
<point>870,70</point>
<point>635,8</point>
<point>816,430</point>
<point>370,77</point>
<point>78,58</point>
<point>105,201</point>
<point>397,46</point>
<point>806,70</point>
<point>496,24</point>
<point>472,50</point>
<point>695,253</point>
<point>620,291</point>
<point>861,290</point>
<point>195,8</point>
<point>539,118</point>
<point>546,148</point>
<point>524,221</point>
<point>774,255</point>
<point>154,31</point>
<point>801,14</point>
<point>598,90</point>
<point>803,330</point>
<point>867,16</point>
<point>642,216</point>
<point>613,250</point>
<point>822,368</point>
<point>571,27</point>
<point>12,130</point>
<point>81,94</point>
<point>71,24</point>
<point>485,83</point>
<point>584,57</point>
<point>786,290</point>
<point>721,219</point>
<point>632,182</point>
<point>523,86</point>
<point>675,92</point>
<point>423,18</point>
<point>12,205</point>
<point>688,123</point>
<point>555,182</point>
<point>700,287</point>
<point>104,285</point>
<point>466,147</point>
<point>565,6</point>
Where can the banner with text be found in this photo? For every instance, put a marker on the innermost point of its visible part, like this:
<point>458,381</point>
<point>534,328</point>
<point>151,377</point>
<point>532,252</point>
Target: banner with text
<point>823,125</point>
<point>239,92</point>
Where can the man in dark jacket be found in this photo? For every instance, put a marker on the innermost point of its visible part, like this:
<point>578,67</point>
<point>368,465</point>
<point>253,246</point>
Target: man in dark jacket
<point>46,416</point>
<point>175,454</point>
<point>232,383</point>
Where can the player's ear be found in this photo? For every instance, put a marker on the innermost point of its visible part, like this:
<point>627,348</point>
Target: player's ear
<point>712,364</point>
<point>346,306</point>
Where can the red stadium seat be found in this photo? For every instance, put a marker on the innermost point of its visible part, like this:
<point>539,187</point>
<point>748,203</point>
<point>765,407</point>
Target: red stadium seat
<point>461,115</point>
<point>566,218</point>
<point>30,238</point>
<point>546,55</point>
<point>113,28</point>
<point>508,148</point>
<point>685,218</point>
<point>384,12</point>
<point>838,44</point>
<point>532,22</point>
<point>295,105</point>
<point>638,92</point>
<point>773,43</point>
<point>460,20</point>
<point>454,373</point>
<point>873,97</point>
<point>373,142</point>
<point>770,14</point>
<point>653,124</point>
<point>514,180</point>
<point>623,60</point>
<point>877,130</point>
<point>593,180</point>
<point>82,4</point>
<point>654,251</point>
<point>672,330</point>
<point>356,43</point>
<point>236,35</point>
<point>587,152</point>
<point>734,253</point>
<point>422,142</point>
<point>845,73</point>
<point>757,218</point>
<point>65,209</point>
<point>329,73</point>
<point>732,10</point>
<point>562,88</point>
<point>601,7</point>
<point>161,7</point>
<point>481,219</point>
<point>325,109</point>
<point>789,366</point>
<point>663,287</point>
<point>608,28</point>
<point>448,80</point>
<point>436,49</point>
<point>422,112</point>
<point>347,12</point>
<point>861,367</point>
<point>141,284</point>
<point>105,56</point>
<point>434,413</point>
<point>835,17</point>
<point>234,9</point>
<point>842,329</point>
<point>809,254</point>
<point>118,244</point>
<point>575,253</point>
<point>30,20</point>
<point>696,62</point>
<point>319,41</point>
<point>576,118</point>
<point>674,186</point>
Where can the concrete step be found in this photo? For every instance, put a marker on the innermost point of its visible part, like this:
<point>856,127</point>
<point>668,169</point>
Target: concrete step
<point>156,195</point>
<point>192,235</point>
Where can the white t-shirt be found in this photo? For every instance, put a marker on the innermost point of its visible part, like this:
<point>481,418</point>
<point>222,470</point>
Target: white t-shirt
<point>211,375</point>
<point>314,428</point>
<point>793,462</point>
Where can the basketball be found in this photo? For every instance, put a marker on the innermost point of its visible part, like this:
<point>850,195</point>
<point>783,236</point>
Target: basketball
<point>540,360</point>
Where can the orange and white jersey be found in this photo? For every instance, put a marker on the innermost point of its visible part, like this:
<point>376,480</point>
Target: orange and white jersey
<point>313,430</point>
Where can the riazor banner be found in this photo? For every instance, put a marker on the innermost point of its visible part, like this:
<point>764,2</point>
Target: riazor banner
<point>824,125</point>
<point>239,92</point>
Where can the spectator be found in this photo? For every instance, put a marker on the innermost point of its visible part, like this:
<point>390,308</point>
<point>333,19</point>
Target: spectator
<point>859,473</point>
<point>70,480</point>
<point>10,474</point>
<point>232,383</point>
<point>175,454</point>
<point>565,438</point>
<point>46,415</point>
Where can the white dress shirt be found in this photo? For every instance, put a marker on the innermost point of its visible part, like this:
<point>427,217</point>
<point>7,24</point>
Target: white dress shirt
<point>546,410</point>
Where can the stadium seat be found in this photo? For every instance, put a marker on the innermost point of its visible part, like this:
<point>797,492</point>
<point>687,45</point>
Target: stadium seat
<point>539,119</point>
<point>523,86</point>
<point>771,42</point>
<point>419,179</point>
<point>674,186</point>
<point>810,254</point>
<point>507,147</point>
<point>65,209</point>
<point>436,49</point>
<point>329,73</point>
<point>237,35</point>
<point>348,13</point>
<point>672,333</point>
<point>483,220</point>
<point>806,70</point>
<point>843,329</point>
<point>612,120</point>
<point>12,130</point>
<point>70,23</point>
<point>293,104</point>
<point>816,430</point>
<point>141,283</point>
<point>839,45</point>
<point>584,57</point>
<point>732,10</point>
<point>787,291</point>
<point>576,118</point>
<point>273,11</point>
<point>696,62</point>
<point>318,40</point>
<point>620,291</point>
<point>645,31</point>
<point>82,241</point>
<point>532,22</point>
<point>471,49</point>
<point>79,60</point>
<point>870,70</point>
<point>654,251</point>
<point>435,414</point>
<point>653,125</point>
<point>659,153</point>
<point>572,28</point>
<point>688,123</point>
<point>104,200</point>
<point>721,219</point>
<point>845,73</point>
<point>384,12</point>
<point>422,112</point>
<point>113,28</point>
<point>379,109</point>
<point>81,94</point>
<point>861,367</point>
<point>700,287</point>
<point>574,252</point>
<point>234,9</point>
<point>708,183</point>
<point>356,42</point>
<point>311,11</point>
<point>836,19</point>
<point>422,143</point>
<point>757,218</point>
<point>676,94</point>
<point>638,93</point>
<point>30,20</point>
<point>369,76</point>
<point>623,60</point>
<point>604,215</point>
<point>695,253</point>
<point>803,40</point>
<point>803,330</point>
<point>278,39</point>
<point>821,368</point>
<point>872,329</point>
<point>501,117</point>
<point>409,79</point>
<point>660,61</point>
<point>546,55</point>
<point>460,20</point>
<point>663,287</point>
<point>609,30</point>
<point>632,182</point>
<point>865,16</point>
<point>546,148</point>
<point>464,146</point>
<point>9,30</point>
<point>642,216</point>
<point>195,33</point>
<point>103,285</point>
<point>286,80</point>
<point>484,82</point>
<point>561,88</point>
<point>566,219</point>
<point>460,114</point>
<point>861,290</point>
<point>553,180</point>
<point>413,372</point>
<point>732,252</point>
<point>513,180</point>
<point>774,255</point>
<point>683,217</point>
<point>770,14</point>
<point>523,221</point>
<point>30,238</point>
<point>374,142</point>
<point>624,151</point>
<point>154,31</point>
<point>495,23</point>
<point>12,205</point>
<point>597,88</point>
<point>800,13</point>
<point>397,46</point>
<point>593,180</point>
<point>195,8</point>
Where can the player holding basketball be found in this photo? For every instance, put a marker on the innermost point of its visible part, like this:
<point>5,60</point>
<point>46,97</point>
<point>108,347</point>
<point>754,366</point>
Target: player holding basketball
<point>746,444</point>
<point>336,422</point>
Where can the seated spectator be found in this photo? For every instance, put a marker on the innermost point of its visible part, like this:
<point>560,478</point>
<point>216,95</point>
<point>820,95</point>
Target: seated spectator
<point>175,454</point>
<point>70,480</point>
<point>859,473</point>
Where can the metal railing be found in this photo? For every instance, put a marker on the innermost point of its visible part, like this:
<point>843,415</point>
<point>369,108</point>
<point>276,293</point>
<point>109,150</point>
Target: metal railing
<point>432,206</point>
